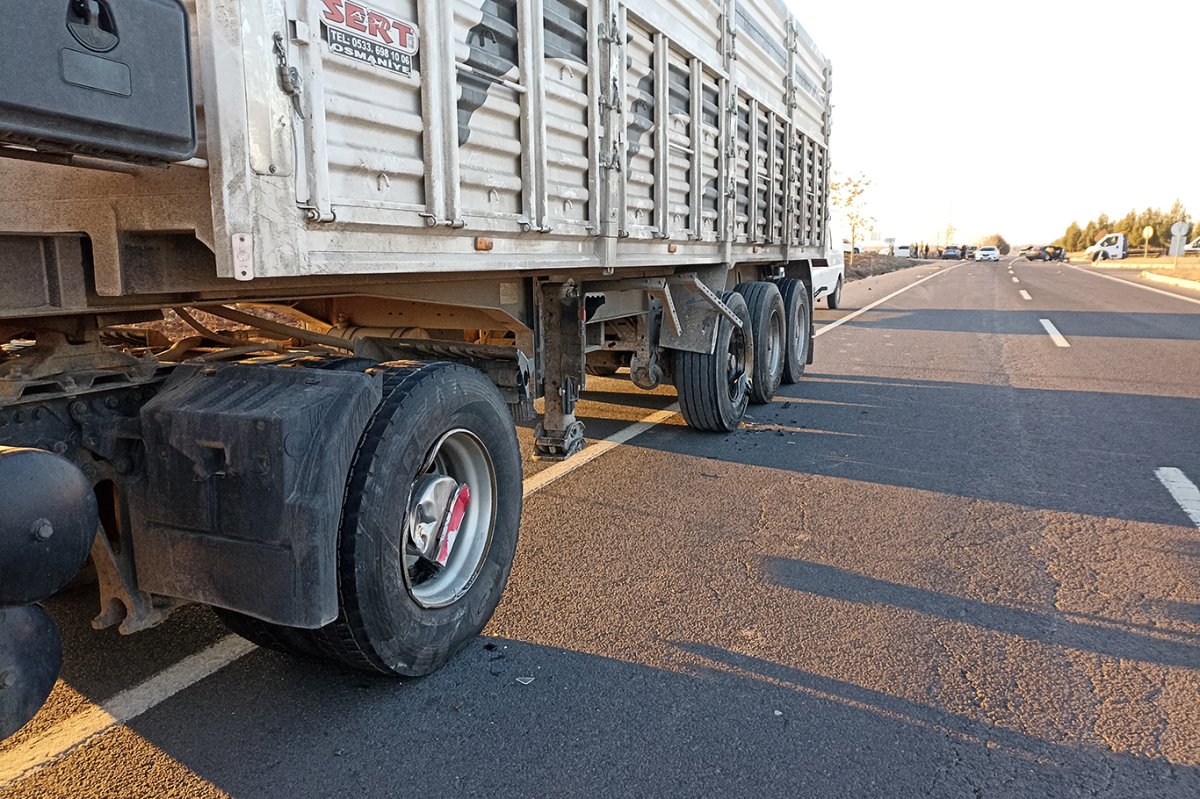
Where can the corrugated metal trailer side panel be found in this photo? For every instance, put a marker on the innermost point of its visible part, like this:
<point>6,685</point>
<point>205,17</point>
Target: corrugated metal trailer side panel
<point>448,136</point>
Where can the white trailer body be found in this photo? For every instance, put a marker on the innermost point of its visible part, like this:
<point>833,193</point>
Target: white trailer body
<point>449,206</point>
<point>571,134</point>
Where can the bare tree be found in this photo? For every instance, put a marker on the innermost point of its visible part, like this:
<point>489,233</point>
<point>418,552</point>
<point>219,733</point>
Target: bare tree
<point>846,193</point>
<point>997,241</point>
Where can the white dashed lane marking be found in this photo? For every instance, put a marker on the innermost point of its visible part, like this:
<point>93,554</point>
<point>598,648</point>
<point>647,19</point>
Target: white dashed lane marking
<point>1183,490</point>
<point>1055,336</point>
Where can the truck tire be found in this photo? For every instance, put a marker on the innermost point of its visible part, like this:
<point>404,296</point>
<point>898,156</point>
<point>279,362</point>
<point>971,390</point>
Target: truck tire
<point>715,389</point>
<point>797,309</point>
<point>769,321</point>
<point>400,612</point>
<point>834,300</point>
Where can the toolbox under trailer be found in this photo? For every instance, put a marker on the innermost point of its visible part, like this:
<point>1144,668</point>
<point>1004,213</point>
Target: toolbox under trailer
<point>423,215</point>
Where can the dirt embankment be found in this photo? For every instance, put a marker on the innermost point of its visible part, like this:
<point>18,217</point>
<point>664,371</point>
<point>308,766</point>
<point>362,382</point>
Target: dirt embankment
<point>867,264</point>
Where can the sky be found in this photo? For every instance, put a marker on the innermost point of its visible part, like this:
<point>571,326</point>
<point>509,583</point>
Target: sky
<point>1014,117</point>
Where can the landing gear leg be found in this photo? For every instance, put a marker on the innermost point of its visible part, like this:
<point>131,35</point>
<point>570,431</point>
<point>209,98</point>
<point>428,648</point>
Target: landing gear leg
<point>560,435</point>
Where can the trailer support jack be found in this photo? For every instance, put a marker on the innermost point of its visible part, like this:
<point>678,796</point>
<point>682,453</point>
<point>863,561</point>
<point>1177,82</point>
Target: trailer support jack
<point>560,435</point>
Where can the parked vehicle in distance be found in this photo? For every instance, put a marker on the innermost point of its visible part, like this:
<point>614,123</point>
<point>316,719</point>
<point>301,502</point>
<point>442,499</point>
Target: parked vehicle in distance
<point>951,253</point>
<point>901,251</point>
<point>1113,246</point>
<point>1193,247</point>
<point>969,251</point>
<point>1047,253</point>
<point>987,253</point>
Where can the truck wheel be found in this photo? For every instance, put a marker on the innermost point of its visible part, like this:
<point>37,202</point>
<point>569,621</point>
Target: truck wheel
<point>797,311</point>
<point>834,300</point>
<point>429,527</point>
<point>715,389</point>
<point>769,321</point>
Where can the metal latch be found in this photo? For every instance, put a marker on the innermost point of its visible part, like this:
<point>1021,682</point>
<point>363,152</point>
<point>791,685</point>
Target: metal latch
<point>289,76</point>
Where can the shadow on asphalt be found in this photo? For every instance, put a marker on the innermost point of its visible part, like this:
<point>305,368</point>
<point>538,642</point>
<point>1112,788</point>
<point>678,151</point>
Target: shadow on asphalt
<point>1163,326</point>
<point>1092,453</point>
<point>1055,629</point>
<point>722,724</point>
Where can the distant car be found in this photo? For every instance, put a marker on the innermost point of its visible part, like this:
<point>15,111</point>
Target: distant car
<point>988,253</point>
<point>1049,253</point>
<point>951,254</point>
<point>901,251</point>
<point>970,251</point>
<point>1193,247</point>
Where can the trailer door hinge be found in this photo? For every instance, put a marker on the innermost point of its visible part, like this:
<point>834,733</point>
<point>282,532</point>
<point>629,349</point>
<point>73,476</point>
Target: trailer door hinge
<point>611,32</point>
<point>289,76</point>
<point>611,160</point>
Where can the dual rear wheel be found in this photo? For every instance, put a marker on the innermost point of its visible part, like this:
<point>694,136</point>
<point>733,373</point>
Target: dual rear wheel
<point>748,363</point>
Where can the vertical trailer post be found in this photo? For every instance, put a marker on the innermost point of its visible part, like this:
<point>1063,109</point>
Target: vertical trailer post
<point>317,196</point>
<point>790,230</point>
<point>752,232</point>
<point>662,137</point>
<point>696,183</point>
<point>440,114</point>
<point>728,221</point>
<point>532,67</point>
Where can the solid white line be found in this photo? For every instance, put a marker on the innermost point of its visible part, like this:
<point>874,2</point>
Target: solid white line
<point>593,451</point>
<point>64,736</point>
<point>1086,271</point>
<point>78,728</point>
<point>1016,280</point>
<point>877,303</point>
<point>1184,490</point>
<point>1057,337</point>
<point>1025,295</point>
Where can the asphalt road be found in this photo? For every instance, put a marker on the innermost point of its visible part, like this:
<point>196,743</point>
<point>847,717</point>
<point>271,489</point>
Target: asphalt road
<point>941,565</point>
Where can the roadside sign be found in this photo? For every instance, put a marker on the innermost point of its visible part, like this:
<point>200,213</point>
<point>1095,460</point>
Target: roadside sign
<point>1147,232</point>
<point>1179,232</point>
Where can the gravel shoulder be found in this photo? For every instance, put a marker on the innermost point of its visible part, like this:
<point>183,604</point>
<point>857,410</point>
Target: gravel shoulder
<point>867,264</point>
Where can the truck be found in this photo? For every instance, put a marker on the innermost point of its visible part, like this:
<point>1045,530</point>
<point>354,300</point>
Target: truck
<point>1116,246</point>
<point>388,227</point>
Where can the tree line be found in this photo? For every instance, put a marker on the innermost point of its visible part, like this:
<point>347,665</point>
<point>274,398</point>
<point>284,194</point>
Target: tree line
<point>1077,238</point>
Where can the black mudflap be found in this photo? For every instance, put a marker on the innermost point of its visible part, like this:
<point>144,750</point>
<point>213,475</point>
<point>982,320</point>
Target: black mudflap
<point>246,472</point>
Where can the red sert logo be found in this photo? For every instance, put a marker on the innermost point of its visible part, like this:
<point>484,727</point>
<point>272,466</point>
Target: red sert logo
<point>380,27</point>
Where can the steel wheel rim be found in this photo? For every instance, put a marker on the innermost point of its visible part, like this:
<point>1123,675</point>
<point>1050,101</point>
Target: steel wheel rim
<point>776,336</point>
<point>461,456</point>
<point>737,371</point>
<point>800,335</point>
